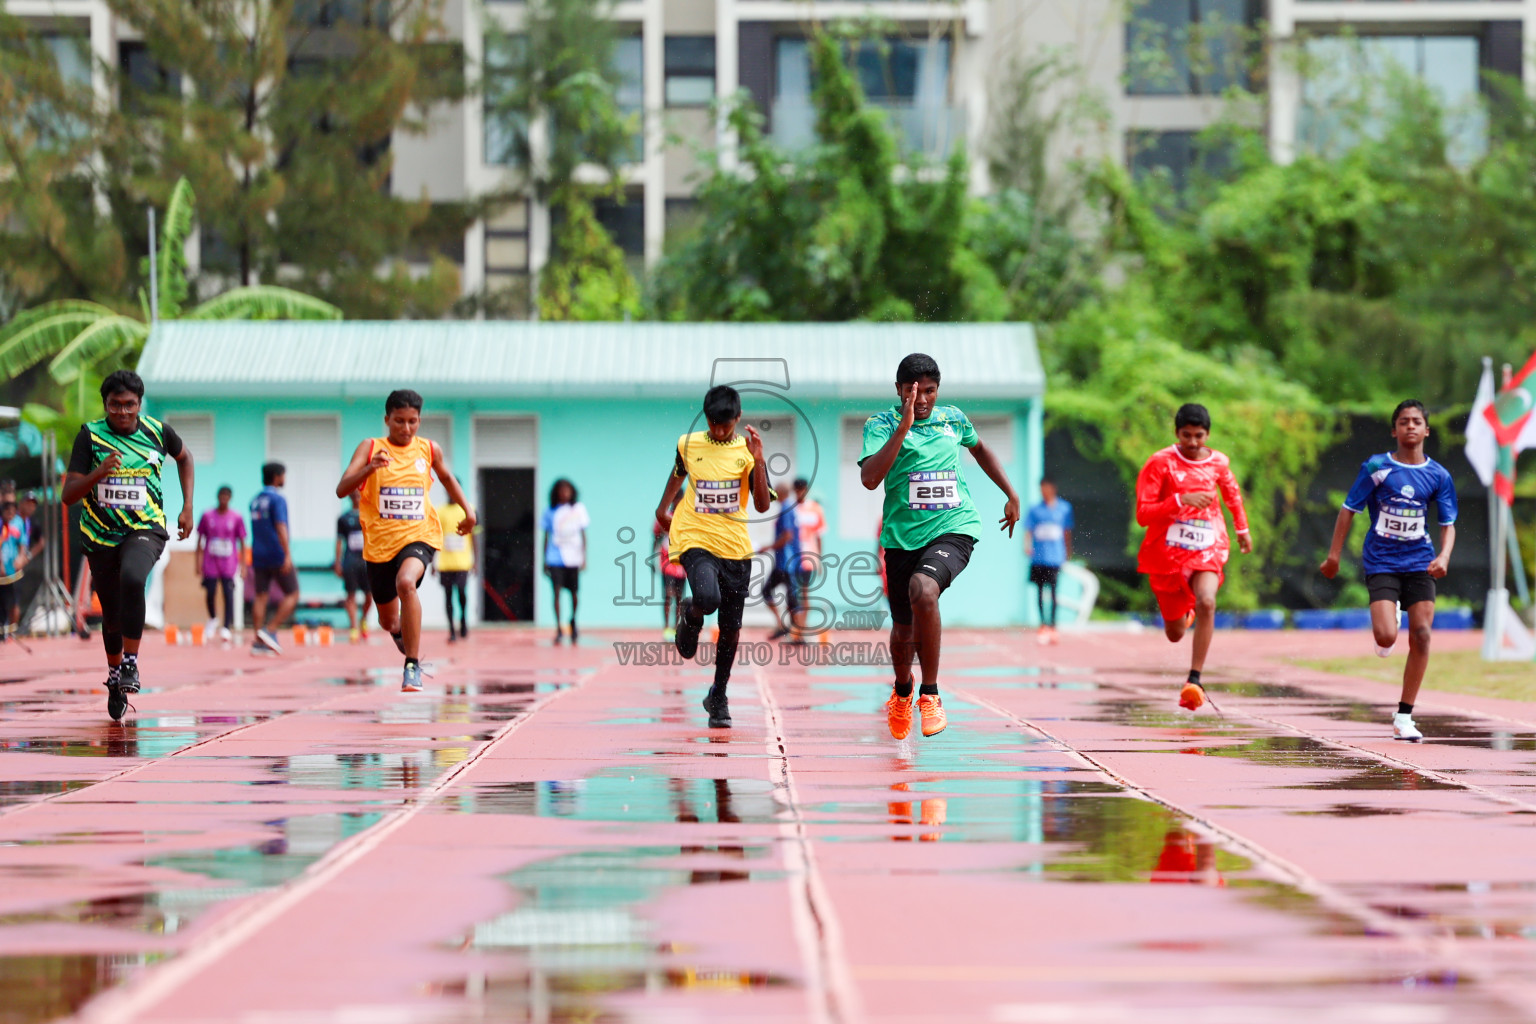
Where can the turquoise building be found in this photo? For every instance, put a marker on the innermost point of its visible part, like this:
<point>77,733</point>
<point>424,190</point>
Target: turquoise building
<point>517,405</point>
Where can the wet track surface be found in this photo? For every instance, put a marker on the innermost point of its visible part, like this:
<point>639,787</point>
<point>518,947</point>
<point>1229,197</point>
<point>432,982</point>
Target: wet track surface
<point>548,835</point>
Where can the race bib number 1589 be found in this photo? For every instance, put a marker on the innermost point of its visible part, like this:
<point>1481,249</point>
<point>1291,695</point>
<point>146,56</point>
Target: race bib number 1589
<point>717,496</point>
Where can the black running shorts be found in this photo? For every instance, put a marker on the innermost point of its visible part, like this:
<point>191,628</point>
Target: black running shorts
<point>1405,588</point>
<point>381,575</point>
<point>564,577</point>
<point>942,561</point>
<point>1044,575</point>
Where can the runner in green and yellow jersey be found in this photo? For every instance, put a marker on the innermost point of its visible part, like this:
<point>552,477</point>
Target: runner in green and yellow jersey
<point>115,468</point>
<point>930,524</point>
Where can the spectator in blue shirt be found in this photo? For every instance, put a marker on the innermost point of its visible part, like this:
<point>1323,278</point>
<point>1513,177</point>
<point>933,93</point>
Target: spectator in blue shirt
<point>786,568</point>
<point>1048,543</point>
<point>271,559</point>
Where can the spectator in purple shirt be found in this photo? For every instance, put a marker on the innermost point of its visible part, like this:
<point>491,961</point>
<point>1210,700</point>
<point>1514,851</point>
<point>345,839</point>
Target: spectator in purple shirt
<point>220,547</point>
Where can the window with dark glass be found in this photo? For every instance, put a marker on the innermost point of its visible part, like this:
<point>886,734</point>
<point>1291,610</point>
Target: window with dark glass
<point>690,74</point>
<point>1189,47</point>
<point>143,76</point>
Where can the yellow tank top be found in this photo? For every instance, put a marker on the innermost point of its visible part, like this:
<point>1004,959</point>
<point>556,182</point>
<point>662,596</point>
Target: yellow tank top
<point>713,512</point>
<point>397,501</point>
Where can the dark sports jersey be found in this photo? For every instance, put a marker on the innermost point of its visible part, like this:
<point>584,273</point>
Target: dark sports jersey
<point>130,499</point>
<point>349,530</point>
<point>1397,495</point>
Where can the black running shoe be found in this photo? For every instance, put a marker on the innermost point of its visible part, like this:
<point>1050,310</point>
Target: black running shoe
<point>128,676</point>
<point>116,703</point>
<point>687,639</point>
<point>719,709</point>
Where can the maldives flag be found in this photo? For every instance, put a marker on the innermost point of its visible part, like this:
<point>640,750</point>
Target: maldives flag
<point>1514,426</point>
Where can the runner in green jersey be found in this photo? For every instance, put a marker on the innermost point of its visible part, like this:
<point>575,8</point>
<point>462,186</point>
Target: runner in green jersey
<point>115,467</point>
<point>930,525</point>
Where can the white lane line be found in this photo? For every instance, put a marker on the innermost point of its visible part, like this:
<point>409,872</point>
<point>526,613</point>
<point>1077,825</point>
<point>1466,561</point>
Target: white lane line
<point>245,921</point>
<point>1444,948</point>
<point>834,995</point>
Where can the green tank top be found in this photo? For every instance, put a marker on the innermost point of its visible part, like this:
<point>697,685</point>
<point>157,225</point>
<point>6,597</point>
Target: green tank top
<point>130,499</point>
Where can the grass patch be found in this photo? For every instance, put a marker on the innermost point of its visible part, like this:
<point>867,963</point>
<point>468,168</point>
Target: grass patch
<point>1449,672</point>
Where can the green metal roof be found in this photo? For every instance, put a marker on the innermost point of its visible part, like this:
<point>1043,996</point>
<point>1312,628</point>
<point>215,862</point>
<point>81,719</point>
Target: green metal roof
<point>217,359</point>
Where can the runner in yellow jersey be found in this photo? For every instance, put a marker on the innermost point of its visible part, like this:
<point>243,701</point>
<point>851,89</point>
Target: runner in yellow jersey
<point>401,531</point>
<point>708,532</point>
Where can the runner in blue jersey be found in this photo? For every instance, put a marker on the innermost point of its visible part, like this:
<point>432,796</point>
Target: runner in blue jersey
<point>1399,559</point>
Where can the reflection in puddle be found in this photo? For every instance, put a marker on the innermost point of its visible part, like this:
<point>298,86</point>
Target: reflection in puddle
<point>42,988</point>
<point>1303,752</point>
<point>579,996</point>
<point>295,844</point>
<point>19,791</point>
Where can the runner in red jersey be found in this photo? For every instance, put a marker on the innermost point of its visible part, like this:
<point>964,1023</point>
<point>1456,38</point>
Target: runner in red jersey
<point>1178,500</point>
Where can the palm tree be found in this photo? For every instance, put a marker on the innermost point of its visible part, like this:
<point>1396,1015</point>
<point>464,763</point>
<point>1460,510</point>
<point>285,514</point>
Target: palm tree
<point>77,335</point>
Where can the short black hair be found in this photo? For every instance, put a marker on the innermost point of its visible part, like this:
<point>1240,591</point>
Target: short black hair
<point>122,380</point>
<point>802,484</point>
<point>226,489</point>
<point>722,404</point>
<point>554,491</point>
<point>915,367</point>
<point>1409,403</point>
<point>1047,480</point>
<point>270,472</point>
<point>402,398</point>
<point>1191,414</point>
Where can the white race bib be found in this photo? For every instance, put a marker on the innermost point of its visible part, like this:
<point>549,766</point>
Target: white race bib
<point>1192,534</point>
<point>127,492</point>
<point>355,540</point>
<point>717,496</point>
<point>1403,524</point>
<point>1045,533</point>
<point>402,503</point>
<point>933,491</point>
<point>220,547</point>
<point>453,541</point>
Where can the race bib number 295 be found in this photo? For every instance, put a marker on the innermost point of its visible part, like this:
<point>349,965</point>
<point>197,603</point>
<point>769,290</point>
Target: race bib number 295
<point>933,491</point>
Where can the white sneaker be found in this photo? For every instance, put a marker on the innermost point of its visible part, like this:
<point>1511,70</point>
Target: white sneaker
<point>268,641</point>
<point>1404,729</point>
<point>211,630</point>
<point>225,634</point>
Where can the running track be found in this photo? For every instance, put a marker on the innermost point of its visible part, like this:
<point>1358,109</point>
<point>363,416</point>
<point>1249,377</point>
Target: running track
<point>548,835</point>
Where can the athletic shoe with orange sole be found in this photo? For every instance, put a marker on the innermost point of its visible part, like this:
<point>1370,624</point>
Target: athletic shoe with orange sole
<point>1192,696</point>
<point>932,711</point>
<point>898,715</point>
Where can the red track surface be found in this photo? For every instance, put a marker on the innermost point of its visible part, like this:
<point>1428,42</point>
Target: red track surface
<point>548,835</point>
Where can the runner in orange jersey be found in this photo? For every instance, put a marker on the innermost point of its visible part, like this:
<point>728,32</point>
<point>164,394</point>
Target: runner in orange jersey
<point>401,532</point>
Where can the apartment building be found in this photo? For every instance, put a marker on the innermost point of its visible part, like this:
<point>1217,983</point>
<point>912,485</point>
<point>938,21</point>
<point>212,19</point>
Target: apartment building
<point>1162,67</point>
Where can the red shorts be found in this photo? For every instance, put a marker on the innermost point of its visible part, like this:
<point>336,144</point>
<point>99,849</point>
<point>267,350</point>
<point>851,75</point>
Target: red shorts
<point>1175,598</point>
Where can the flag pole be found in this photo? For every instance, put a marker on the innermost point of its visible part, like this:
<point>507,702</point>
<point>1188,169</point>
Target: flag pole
<point>1494,605</point>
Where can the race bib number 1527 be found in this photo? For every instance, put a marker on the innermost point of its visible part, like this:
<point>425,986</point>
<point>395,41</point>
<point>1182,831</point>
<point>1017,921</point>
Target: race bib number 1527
<point>402,503</point>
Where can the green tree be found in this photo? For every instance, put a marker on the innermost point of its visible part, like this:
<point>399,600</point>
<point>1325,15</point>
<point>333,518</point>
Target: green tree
<point>834,233</point>
<point>55,241</point>
<point>280,113</point>
<point>78,336</point>
<point>552,94</point>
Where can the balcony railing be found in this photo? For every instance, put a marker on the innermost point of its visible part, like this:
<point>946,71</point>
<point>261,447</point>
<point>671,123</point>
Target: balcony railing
<point>921,129</point>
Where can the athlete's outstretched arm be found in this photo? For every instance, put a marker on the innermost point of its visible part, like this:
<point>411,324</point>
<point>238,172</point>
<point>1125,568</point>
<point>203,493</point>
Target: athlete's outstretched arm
<point>1233,496</point>
<point>668,493</point>
<point>1341,525</point>
<point>1151,506</point>
<point>987,460</point>
<point>451,485</point>
<point>185,472</point>
<point>872,470</point>
<point>361,468</point>
<point>1442,563</point>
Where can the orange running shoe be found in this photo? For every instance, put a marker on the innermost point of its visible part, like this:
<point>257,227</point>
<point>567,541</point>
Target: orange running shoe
<point>932,710</point>
<point>898,715</point>
<point>1192,696</point>
<point>934,811</point>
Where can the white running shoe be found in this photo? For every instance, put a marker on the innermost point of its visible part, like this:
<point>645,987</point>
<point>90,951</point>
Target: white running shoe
<point>268,641</point>
<point>225,634</point>
<point>1404,729</point>
<point>211,630</point>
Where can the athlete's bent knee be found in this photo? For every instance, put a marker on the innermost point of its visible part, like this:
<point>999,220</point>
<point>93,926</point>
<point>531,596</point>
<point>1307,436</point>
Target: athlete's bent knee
<point>1418,636</point>
<point>923,591</point>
